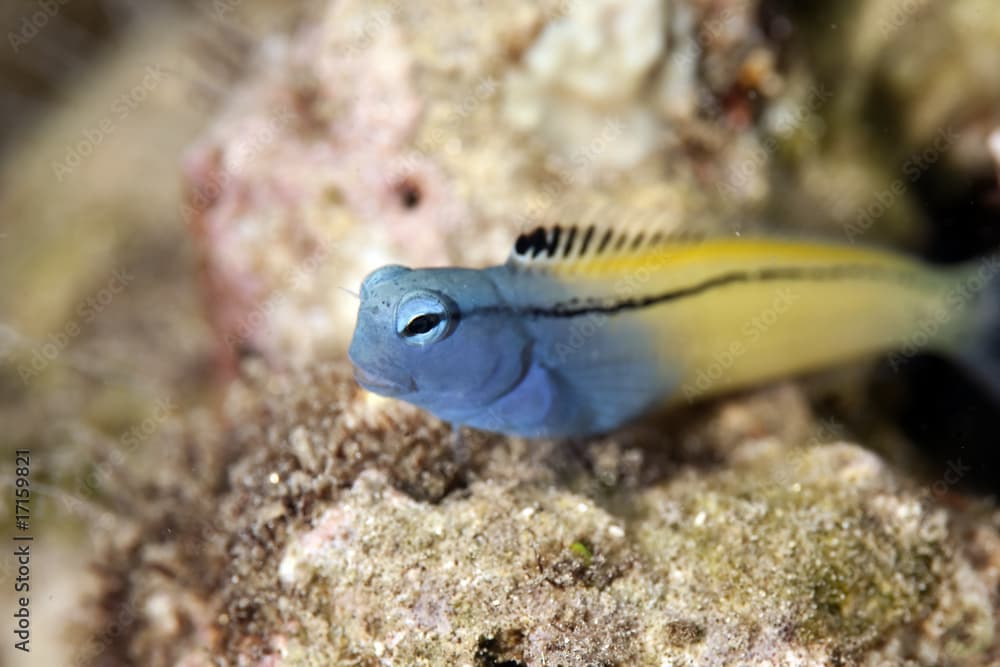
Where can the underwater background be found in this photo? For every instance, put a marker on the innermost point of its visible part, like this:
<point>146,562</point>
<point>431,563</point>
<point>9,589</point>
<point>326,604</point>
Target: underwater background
<point>188,188</point>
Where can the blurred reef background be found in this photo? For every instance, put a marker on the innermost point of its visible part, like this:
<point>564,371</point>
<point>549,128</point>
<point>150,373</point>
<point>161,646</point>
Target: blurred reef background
<point>187,187</point>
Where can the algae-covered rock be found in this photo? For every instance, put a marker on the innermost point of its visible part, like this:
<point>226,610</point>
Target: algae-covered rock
<point>285,516</point>
<point>351,532</point>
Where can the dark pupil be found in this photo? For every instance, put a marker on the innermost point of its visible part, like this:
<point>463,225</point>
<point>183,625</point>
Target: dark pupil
<point>421,324</point>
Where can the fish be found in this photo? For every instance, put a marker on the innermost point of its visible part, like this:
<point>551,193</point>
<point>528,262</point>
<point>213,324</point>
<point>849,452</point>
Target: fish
<point>584,329</point>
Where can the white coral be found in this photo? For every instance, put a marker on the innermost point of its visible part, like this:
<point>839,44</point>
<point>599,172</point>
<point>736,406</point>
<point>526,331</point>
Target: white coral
<point>585,74</point>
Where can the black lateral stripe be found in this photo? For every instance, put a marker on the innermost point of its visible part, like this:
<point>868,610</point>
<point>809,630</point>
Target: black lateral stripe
<point>637,241</point>
<point>569,241</point>
<point>789,273</point>
<point>589,234</point>
<point>621,241</point>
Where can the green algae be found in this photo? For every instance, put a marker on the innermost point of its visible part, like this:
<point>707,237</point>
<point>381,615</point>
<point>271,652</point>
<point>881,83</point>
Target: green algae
<point>814,551</point>
<point>583,551</point>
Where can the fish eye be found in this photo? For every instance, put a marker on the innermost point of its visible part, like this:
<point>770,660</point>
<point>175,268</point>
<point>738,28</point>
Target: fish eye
<point>424,317</point>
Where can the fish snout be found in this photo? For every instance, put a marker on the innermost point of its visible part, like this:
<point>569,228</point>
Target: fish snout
<point>379,384</point>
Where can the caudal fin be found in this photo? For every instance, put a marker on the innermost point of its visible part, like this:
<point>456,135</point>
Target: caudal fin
<point>979,349</point>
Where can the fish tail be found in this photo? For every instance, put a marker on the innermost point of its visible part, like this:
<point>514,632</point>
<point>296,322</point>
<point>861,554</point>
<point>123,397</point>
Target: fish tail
<point>978,345</point>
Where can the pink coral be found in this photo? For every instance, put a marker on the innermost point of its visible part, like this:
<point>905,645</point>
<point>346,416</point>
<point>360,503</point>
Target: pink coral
<point>307,173</point>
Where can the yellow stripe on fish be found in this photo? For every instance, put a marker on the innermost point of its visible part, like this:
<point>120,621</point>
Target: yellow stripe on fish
<point>583,329</point>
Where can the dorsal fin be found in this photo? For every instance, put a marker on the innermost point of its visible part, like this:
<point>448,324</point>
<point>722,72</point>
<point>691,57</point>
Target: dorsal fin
<point>545,246</point>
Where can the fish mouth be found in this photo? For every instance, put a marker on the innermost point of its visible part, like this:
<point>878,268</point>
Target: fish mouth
<point>380,385</point>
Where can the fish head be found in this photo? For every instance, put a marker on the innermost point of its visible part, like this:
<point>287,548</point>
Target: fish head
<point>438,338</point>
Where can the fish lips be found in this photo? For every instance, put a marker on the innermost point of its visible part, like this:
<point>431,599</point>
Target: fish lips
<point>380,385</point>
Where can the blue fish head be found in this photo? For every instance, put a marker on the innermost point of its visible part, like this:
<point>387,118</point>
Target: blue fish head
<point>437,338</point>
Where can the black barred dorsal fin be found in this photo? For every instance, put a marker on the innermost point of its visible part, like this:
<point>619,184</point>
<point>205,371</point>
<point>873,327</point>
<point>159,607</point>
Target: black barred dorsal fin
<point>545,246</point>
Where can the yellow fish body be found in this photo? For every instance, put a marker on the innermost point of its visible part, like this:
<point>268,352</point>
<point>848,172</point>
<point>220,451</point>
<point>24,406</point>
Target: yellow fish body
<point>583,329</point>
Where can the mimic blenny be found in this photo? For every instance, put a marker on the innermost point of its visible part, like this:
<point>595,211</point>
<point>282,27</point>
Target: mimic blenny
<point>584,328</point>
